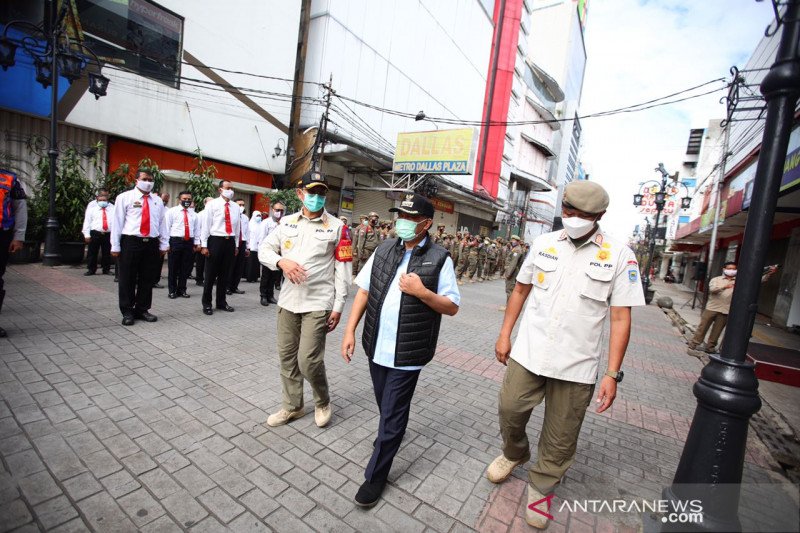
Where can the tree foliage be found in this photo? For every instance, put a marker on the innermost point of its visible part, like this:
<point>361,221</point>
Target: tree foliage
<point>289,198</point>
<point>73,192</point>
<point>203,181</point>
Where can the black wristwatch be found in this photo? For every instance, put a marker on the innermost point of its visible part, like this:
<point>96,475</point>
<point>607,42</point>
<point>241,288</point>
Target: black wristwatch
<point>617,376</point>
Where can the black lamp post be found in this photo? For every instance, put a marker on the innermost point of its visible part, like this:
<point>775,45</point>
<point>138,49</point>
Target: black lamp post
<point>58,58</point>
<point>711,464</point>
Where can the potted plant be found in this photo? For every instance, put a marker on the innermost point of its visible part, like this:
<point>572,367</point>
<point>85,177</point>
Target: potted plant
<point>202,181</point>
<point>73,192</point>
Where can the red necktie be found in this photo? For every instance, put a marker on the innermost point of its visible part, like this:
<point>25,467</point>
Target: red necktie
<point>228,226</point>
<point>186,235</point>
<point>105,220</point>
<point>145,227</point>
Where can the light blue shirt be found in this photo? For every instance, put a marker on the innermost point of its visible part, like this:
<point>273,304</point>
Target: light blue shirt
<point>390,312</point>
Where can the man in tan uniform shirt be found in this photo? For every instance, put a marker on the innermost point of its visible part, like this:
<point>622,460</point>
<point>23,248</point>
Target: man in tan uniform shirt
<point>715,315</point>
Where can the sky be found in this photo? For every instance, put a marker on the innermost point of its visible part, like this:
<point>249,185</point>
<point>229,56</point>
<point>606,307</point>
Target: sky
<point>638,50</point>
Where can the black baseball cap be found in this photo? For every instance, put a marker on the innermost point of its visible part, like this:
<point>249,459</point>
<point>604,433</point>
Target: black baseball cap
<point>414,204</point>
<point>312,179</point>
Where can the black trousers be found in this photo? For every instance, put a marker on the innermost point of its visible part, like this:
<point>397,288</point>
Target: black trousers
<point>139,261</point>
<point>101,242</point>
<point>199,267</point>
<point>237,270</point>
<point>253,267</point>
<point>218,268</point>
<point>179,265</point>
<point>393,392</point>
<point>268,277</point>
<point>6,236</point>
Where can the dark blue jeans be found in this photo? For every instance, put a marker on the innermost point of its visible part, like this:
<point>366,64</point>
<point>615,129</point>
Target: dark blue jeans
<point>393,392</point>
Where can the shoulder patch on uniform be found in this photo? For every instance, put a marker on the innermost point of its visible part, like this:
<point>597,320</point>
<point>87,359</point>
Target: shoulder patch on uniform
<point>633,275</point>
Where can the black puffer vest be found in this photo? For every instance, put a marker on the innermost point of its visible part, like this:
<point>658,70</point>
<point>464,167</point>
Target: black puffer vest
<point>418,327</point>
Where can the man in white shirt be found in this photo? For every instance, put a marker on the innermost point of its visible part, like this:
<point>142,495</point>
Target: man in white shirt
<point>139,237</point>
<point>184,239</point>
<point>306,247</point>
<point>199,258</point>
<point>97,232</point>
<point>571,280</point>
<point>242,251</point>
<point>253,239</point>
<point>218,235</point>
<point>269,276</point>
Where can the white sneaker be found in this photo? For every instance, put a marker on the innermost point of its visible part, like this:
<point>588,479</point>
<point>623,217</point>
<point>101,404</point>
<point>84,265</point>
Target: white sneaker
<point>502,467</point>
<point>322,415</point>
<point>533,518</point>
<point>283,417</point>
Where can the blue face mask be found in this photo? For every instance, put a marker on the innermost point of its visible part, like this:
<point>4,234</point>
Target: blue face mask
<point>314,202</point>
<point>102,203</point>
<point>406,229</point>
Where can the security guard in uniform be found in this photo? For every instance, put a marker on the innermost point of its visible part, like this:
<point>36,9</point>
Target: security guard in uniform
<point>438,237</point>
<point>483,250</point>
<point>356,236</point>
<point>573,277</point>
<point>13,223</point>
<point>491,260</point>
<point>307,247</point>
<point>513,264</point>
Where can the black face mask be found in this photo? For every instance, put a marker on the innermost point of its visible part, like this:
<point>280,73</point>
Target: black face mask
<point>186,203</point>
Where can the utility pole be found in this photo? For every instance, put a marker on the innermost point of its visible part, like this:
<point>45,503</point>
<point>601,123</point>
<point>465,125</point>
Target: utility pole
<point>319,145</point>
<point>710,468</point>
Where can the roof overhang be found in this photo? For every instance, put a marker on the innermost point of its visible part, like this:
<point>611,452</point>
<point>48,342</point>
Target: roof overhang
<point>184,177</point>
<point>551,119</point>
<point>548,152</point>
<point>549,82</point>
<point>537,184</point>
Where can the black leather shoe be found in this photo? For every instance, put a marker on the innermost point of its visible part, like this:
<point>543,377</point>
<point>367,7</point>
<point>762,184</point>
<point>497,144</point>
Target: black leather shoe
<point>229,292</point>
<point>264,301</point>
<point>237,291</point>
<point>225,307</point>
<point>127,320</point>
<point>208,311</point>
<point>3,333</point>
<point>144,315</point>
<point>273,301</point>
<point>184,295</point>
<point>158,286</point>
<point>369,493</point>
<point>172,296</point>
<point>106,272</point>
<point>88,273</point>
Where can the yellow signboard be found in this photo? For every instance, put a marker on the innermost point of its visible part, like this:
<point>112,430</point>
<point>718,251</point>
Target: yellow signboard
<point>436,152</point>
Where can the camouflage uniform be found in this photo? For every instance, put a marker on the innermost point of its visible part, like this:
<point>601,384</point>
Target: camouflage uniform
<point>491,260</point>
<point>482,252</point>
<point>513,264</point>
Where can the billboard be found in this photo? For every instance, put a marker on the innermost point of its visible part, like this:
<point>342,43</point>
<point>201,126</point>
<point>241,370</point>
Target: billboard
<point>436,152</point>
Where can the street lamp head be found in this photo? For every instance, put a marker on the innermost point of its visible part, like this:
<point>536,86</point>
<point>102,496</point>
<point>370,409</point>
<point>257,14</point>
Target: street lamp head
<point>70,65</point>
<point>637,199</point>
<point>7,52</point>
<point>98,84</point>
<point>686,202</point>
<point>660,198</point>
<point>44,71</point>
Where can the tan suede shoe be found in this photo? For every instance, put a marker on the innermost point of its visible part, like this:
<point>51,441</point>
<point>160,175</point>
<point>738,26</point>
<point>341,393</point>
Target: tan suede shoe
<point>502,467</point>
<point>536,518</point>
<point>322,415</point>
<point>283,417</point>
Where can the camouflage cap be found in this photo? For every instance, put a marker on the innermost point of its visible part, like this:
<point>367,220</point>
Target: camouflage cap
<point>586,196</point>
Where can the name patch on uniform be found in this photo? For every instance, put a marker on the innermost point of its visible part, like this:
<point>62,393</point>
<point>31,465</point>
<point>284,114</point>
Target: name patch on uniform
<point>137,204</point>
<point>601,265</point>
<point>547,255</point>
<point>633,275</point>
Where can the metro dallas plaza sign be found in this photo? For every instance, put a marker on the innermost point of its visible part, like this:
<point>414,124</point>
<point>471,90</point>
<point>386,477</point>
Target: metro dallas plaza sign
<point>436,152</point>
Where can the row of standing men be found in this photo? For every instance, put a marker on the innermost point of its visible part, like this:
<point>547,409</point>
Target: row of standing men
<point>220,243</point>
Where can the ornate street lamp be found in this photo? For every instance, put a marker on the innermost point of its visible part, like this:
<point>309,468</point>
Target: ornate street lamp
<point>637,199</point>
<point>58,58</point>
<point>686,202</point>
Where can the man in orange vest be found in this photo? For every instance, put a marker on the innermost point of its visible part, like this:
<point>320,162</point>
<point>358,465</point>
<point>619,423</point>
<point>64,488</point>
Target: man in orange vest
<point>13,223</point>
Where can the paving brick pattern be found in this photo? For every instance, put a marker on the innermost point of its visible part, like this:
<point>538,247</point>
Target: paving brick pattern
<point>160,427</point>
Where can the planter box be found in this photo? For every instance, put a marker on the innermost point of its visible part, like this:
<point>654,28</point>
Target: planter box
<point>72,253</point>
<point>30,253</point>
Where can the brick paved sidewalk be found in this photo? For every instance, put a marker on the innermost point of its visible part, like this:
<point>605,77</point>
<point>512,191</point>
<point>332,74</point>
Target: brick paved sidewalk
<point>160,427</point>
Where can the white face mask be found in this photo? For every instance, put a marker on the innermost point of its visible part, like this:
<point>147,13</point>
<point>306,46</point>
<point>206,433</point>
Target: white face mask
<point>730,272</point>
<point>145,186</point>
<point>577,227</point>
<point>227,193</point>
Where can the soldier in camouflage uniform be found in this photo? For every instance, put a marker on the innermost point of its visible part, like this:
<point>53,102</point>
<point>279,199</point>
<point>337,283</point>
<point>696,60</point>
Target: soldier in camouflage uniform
<point>454,246</point>
<point>501,256</point>
<point>483,249</point>
<point>491,260</point>
<point>355,235</point>
<point>472,258</point>
<point>369,238</point>
<point>438,237</point>
<point>513,264</point>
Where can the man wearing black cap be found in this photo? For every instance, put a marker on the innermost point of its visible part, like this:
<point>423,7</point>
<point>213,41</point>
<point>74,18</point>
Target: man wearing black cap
<point>307,247</point>
<point>405,287</point>
<point>574,278</point>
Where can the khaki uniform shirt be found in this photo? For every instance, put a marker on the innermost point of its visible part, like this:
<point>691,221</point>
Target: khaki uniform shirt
<point>562,326</point>
<point>719,298</point>
<point>311,244</point>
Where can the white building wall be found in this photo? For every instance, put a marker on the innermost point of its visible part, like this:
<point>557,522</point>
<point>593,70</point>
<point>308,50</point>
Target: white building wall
<point>254,37</point>
<point>395,54</point>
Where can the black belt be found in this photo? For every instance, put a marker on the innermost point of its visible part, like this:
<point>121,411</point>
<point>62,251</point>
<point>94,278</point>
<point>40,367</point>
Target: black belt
<point>221,237</point>
<point>137,238</point>
<point>182,238</point>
